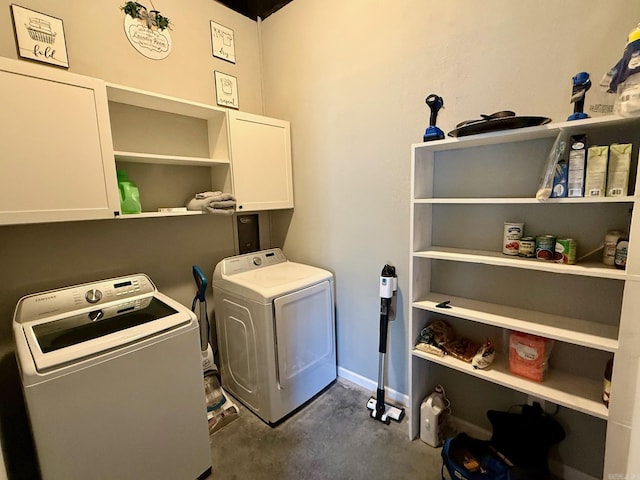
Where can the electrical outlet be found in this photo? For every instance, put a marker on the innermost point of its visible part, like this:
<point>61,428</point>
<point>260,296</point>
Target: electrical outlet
<point>531,400</point>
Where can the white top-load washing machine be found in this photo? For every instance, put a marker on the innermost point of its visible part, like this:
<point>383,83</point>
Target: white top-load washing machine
<point>276,331</point>
<point>112,379</point>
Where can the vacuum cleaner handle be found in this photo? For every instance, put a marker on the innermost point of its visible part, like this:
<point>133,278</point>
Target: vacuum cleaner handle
<point>201,282</point>
<point>203,316</point>
<point>388,282</point>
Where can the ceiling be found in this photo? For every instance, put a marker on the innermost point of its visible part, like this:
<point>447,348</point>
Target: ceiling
<point>255,8</point>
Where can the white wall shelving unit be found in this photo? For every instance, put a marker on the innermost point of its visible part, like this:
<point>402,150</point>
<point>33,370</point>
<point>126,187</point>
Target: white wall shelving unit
<point>463,190</point>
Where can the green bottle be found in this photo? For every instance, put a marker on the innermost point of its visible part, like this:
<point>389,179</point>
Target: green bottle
<point>129,194</point>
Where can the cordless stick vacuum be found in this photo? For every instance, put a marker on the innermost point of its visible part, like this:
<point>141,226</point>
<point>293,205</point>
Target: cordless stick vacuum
<point>379,409</point>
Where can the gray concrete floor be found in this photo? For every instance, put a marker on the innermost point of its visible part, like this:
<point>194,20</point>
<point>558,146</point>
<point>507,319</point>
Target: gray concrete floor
<point>330,438</point>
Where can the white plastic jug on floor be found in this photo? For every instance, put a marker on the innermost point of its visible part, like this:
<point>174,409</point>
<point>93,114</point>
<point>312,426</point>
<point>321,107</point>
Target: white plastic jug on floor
<point>433,412</point>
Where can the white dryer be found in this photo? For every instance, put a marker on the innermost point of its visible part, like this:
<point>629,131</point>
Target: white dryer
<point>276,331</point>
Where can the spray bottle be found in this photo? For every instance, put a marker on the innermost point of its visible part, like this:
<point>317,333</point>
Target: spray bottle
<point>433,415</point>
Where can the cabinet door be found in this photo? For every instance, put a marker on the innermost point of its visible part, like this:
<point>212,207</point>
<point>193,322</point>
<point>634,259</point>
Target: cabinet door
<point>260,162</point>
<point>57,157</point>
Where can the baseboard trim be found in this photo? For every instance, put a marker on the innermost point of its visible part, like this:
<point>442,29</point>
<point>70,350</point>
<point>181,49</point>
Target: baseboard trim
<point>372,385</point>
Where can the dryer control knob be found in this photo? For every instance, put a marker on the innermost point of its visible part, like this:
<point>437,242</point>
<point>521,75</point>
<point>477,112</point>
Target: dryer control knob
<point>93,296</point>
<point>257,261</point>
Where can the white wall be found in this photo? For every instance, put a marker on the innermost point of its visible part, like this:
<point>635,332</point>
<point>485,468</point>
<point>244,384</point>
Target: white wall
<point>39,257</point>
<point>97,47</point>
<point>352,78</point>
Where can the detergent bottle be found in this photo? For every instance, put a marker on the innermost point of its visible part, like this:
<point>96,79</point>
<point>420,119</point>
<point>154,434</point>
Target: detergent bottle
<point>129,195</point>
<point>433,414</point>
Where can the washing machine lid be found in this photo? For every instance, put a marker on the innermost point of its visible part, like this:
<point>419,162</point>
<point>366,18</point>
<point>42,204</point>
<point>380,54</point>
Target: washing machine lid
<point>255,277</point>
<point>67,325</point>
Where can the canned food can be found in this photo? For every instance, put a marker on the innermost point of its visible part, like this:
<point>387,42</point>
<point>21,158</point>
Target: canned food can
<point>545,247</point>
<point>512,235</point>
<point>527,247</point>
<point>565,251</point>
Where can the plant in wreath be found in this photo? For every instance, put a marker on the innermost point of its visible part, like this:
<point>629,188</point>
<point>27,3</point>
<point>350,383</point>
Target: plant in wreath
<point>152,18</point>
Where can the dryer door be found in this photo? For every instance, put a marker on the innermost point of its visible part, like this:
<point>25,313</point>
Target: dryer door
<point>305,341</point>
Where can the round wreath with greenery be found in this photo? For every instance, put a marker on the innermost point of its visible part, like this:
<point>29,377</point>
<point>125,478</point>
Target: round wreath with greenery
<point>153,18</point>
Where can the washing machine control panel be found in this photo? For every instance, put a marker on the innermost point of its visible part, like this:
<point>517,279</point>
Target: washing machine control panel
<point>69,299</point>
<point>252,261</point>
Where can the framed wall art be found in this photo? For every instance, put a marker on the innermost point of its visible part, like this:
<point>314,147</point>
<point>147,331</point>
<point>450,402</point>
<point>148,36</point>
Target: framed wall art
<point>39,37</point>
<point>226,90</point>
<point>147,30</point>
<point>222,42</point>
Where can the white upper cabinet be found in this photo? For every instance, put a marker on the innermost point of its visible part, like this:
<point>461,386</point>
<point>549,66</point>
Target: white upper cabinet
<point>57,157</point>
<point>64,136</point>
<point>260,161</point>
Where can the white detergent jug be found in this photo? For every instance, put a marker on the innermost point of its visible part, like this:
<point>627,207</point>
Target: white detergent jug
<point>433,413</point>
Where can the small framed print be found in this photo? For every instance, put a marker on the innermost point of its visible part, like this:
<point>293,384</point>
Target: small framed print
<point>226,90</point>
<point>39,37</point>
<point>222,42</point>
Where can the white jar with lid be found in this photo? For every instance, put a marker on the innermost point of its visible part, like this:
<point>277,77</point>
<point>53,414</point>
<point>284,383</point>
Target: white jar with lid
<point>610,243</point>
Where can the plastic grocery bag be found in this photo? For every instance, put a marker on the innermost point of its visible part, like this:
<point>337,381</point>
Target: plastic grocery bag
<point>555,155</point>
<point>624,77</point>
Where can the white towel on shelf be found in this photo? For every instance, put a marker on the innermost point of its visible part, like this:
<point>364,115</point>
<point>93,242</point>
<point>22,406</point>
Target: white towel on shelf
<point>213,202</point>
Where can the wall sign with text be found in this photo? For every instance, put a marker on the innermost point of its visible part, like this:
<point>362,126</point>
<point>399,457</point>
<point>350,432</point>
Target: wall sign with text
<point>39,37</point>
<point>147,31</point>
<point>222,42</point>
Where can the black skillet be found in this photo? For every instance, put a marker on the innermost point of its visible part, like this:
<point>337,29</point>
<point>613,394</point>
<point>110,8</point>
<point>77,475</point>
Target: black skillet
<point>504,120</point>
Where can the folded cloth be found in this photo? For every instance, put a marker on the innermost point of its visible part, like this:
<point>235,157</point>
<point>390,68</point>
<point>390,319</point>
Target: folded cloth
<point>224,204</point>
<point>213,202</point>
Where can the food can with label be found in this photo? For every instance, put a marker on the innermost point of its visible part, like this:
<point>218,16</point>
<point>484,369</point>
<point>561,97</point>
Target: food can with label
<point>512,235</point>
<point>565,251</point>
<point>527,247</point>
<point>545,247</point>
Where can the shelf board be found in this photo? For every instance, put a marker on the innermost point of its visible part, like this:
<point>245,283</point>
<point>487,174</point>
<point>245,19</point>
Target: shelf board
<point>586,269</point>
<point>549,130</point>
<point>577,393</point>
<point>153,158</point>
<point>520,201</point>
<point>566,329</point>
<point>158,214</point>
<point>164,103</point>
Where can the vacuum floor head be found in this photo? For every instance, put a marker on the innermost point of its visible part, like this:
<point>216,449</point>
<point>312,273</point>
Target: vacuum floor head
<point>390,412</point>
